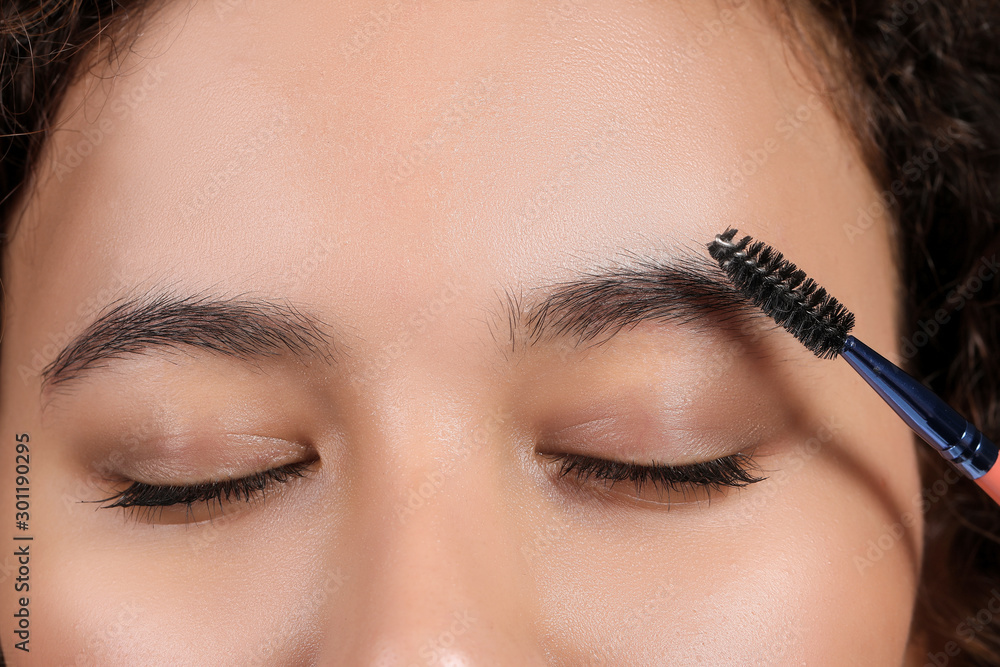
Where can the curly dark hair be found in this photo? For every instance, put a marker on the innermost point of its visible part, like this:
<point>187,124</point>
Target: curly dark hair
<point>917,82</point>
<point>921,90</point>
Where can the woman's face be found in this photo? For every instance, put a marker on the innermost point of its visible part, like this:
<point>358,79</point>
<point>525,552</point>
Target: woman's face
<point>334,233</point>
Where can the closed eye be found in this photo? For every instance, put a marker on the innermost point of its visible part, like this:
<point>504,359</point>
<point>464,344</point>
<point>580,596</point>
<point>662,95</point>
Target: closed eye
<point>141,498</point>
<point>695,479</point>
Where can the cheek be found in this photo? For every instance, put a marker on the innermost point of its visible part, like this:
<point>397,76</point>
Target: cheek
<point>238,595</point>
<point>856,568</point>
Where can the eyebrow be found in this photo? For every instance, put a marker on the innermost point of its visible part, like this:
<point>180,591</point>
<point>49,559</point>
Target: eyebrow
<point>589,308</point>
<point>243,328</point>
<point>596,305</point>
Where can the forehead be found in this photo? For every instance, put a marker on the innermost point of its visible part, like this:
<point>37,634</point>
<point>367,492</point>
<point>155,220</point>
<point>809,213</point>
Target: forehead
<point>390,148</point>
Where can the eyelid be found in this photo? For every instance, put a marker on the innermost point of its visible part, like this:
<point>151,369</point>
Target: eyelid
<point>637,434</point>
<point>184,460</point>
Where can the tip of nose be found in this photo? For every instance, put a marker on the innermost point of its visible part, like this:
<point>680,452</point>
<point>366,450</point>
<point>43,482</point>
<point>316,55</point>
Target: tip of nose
<point>425,657</point>
<point>396,655</point>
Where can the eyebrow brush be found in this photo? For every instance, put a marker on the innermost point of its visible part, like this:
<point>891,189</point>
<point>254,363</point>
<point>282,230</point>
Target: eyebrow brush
<point>822,324</point>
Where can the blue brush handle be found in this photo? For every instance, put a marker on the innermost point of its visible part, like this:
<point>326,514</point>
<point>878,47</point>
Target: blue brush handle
<point>956,439</point>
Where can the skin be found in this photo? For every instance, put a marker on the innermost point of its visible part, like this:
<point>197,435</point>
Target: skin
<point>257,149</point>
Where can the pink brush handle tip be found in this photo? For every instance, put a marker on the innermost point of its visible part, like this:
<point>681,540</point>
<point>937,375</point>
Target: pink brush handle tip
<point>990,482</point>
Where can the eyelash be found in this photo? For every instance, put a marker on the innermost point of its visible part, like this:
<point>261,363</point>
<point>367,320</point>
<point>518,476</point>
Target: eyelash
<point>734,471</point>
<point>244,489</point>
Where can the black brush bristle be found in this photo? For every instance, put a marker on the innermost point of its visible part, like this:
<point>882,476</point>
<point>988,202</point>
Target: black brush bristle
<point>784,293</point>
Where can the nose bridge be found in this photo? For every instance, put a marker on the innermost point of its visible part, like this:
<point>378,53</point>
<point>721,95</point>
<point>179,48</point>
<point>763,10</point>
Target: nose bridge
<point>439,579</point>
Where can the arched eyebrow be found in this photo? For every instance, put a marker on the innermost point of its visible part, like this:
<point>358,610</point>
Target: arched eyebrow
<point>239,327</point>
<point>596,305</point>
<point>592,307</point>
